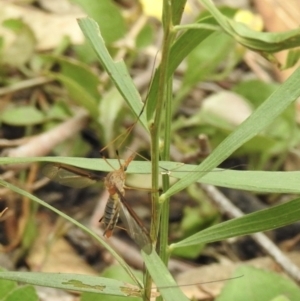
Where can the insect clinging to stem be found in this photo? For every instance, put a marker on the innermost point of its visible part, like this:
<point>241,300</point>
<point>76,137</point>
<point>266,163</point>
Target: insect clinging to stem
<point>116,205</point>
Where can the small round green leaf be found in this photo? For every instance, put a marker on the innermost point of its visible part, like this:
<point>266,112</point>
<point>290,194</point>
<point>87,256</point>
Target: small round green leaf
<point>22,116</point>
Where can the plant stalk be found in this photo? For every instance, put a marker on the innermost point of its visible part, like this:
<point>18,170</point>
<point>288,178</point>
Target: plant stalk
<point>155,130</point>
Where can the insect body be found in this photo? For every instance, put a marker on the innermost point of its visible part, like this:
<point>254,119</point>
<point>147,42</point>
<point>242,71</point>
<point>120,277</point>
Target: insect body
<point>111,215</point>
<point>116,205</point>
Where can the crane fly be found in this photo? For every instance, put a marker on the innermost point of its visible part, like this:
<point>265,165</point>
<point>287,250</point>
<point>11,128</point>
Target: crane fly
<point>116,205</point>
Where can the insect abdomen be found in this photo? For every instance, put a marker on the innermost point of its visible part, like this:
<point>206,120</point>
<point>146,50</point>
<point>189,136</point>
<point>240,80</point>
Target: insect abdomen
<point>111,215</point>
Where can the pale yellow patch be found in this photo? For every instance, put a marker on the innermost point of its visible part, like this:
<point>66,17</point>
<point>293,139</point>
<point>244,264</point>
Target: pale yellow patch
<point>253,21</point>
<point>152,8</point>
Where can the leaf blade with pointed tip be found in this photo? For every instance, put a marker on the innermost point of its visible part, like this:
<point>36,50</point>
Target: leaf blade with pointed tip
<point>255,123</point>
<point>267,219</point>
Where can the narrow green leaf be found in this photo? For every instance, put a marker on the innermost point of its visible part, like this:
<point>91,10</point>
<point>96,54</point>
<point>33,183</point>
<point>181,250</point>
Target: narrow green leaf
<point>115,272</point>
<point>116,70</point>
<point>258,181</point>
<point>75,282</point>
<point>187,41</point>
<point>177,10</point>
<point>98,238</point>
<point>260,119</point>
<point>263,220</point>
<point>183,45</point>
<point>162,278</point>
<point>259,41</point>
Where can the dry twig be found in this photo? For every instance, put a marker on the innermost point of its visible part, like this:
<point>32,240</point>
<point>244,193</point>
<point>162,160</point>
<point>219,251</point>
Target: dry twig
<point>270,248</point>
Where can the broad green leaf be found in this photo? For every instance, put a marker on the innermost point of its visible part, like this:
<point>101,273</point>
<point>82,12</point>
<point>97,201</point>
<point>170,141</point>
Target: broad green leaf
<point>107,15</point>
<point>22,116</point>
<point>81,83</point>
<point>110,106</point>
<point>207,56</point>
<point>59,111</point>
<point>78,72</point>
<point>75,282</point>
<point>267,219</point>
<point>20,50</point>
<point>253,125</point>
<point>23,293</point>
<point>78,93</point>
<point>195,219</point>
<point>85,53</point>
<point>256,91</point>
<point>116,70</point>
<point>281,298</point>
<point>257,284</point>
<point>6,286</point>
<point>292,58</point>
<point>145,37</point>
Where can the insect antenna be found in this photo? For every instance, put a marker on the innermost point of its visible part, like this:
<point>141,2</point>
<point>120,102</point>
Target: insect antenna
<point>118,157</point>
<point>104,158</point>
<point>126,134</point>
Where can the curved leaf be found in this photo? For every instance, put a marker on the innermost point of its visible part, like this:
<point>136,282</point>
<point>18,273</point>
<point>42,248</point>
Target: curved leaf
<point>259,41</point>
<point>116,70</point>
<point>267,219</point>
<point>99,239</point>
<point>259,181</point>
<point>75,282</point>
<point>255,123</point>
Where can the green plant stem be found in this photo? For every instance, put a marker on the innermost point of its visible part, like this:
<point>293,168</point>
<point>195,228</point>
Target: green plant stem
<point>165,208</point>
<point>156,126</point>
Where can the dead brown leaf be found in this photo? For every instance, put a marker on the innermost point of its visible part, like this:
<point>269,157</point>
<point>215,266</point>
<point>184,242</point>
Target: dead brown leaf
<point>55,256</point>
<point>280,15</point>
<point>49,29</point>
<point>218,273</point>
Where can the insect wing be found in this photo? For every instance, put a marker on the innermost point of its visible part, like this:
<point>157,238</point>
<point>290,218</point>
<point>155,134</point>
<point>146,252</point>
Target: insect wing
<point>69,175</point>
<point>136,229</point>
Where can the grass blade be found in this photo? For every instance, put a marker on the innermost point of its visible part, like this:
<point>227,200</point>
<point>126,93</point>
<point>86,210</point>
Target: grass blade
<point>75,282</point>
<point>260,119</point>
<point>267,219</point>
